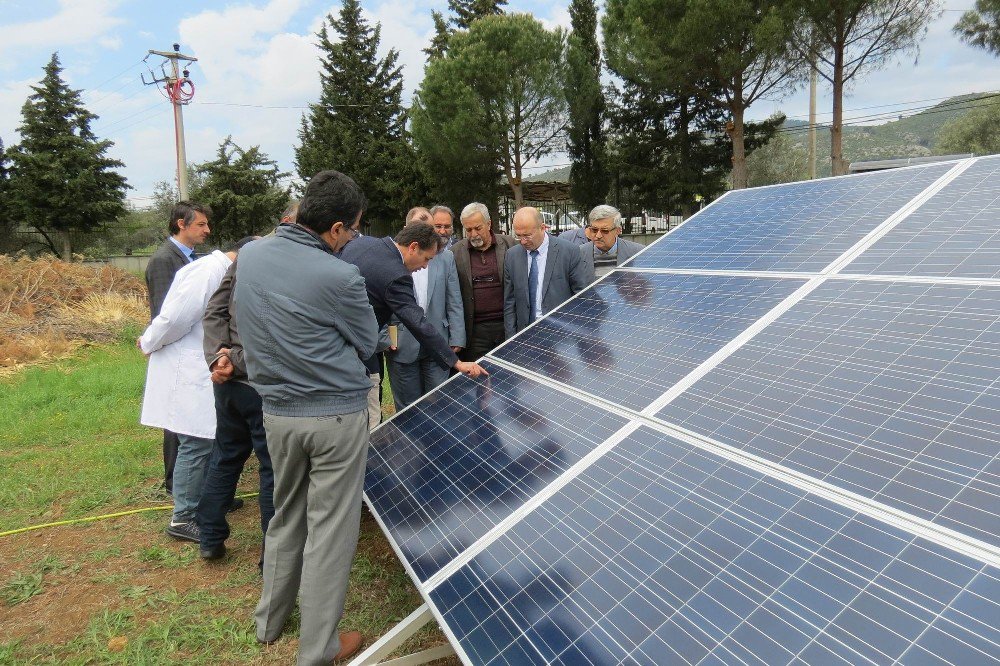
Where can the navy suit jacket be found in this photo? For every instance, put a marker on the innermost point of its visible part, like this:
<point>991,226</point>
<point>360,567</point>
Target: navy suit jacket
<point>390,292</point>
<point>565,276</point>
<point>444,309</point>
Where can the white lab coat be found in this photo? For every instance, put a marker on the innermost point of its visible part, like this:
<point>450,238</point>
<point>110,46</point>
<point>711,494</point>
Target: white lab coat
<point>179,394</point>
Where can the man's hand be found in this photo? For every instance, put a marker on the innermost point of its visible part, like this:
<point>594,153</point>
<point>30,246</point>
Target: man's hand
<point>456,349</point>
<point>222,369</point>
<point>138,344</point>
<point>470,369</point>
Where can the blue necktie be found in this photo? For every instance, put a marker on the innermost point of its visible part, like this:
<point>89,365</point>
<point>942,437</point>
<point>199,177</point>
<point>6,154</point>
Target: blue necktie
<point>532,286</point>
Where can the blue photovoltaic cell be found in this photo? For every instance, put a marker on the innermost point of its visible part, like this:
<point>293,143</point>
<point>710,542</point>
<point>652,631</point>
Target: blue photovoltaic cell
<point>450,468</point>
<point>660,553</point>
<point>632,336</point>
<point>954,234</point>
<point>797,227</point>
<point>890,390</point>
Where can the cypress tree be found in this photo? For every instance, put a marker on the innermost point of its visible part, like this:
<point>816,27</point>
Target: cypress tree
<point>359,124</point>
<point>588,176</point>
<point>61,179</point>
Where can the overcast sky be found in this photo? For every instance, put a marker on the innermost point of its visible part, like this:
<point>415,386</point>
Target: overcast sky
<point>257,69</point>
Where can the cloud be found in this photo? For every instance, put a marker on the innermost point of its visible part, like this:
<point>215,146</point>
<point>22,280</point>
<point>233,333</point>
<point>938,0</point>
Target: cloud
<point>76,22</point>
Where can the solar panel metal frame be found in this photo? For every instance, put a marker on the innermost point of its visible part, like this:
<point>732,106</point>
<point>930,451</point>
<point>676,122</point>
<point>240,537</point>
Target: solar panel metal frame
<point>988,555</point>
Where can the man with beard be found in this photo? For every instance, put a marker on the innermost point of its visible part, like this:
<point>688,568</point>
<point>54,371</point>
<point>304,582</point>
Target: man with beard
<point>479,259</point>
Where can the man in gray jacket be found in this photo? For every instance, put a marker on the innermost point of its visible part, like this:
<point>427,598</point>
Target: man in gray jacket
<point>305,323</point>
<point>607,250</point>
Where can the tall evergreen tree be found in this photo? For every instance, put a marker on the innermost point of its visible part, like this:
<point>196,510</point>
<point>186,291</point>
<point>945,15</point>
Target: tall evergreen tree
<point>467,11</point>
<point>588,176</point>
<point>243,187</point>
<point>726,52</point>
<point>61,179</point>
<point>359,124</point>
<point>439,43</point>
<point>497,98</point>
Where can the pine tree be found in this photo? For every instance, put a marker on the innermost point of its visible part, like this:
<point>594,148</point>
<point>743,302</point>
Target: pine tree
<point>243,189</point>
<point>61,179</point>
<point>439,44</point>
<point>467,11</point>
<point>359,125</point>
<point>588,176</point>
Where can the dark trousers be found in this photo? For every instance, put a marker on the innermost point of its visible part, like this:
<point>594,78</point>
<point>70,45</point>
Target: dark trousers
<point>239,431</point>
<point>484,338</point>
<point>170,444</point>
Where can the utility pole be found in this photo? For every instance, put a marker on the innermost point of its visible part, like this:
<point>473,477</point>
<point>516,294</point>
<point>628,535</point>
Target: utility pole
<point>179,91</point>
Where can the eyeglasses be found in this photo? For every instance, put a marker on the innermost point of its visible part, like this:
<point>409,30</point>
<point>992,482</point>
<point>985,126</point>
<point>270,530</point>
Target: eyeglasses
<point>524,236</point>
<point>354,233</point>
<point>598,230</point>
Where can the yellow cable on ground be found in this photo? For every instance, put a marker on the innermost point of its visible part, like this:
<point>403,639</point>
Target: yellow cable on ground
<point>105,516</point>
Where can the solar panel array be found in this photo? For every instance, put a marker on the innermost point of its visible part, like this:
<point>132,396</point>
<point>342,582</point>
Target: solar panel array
<point>772,438</point>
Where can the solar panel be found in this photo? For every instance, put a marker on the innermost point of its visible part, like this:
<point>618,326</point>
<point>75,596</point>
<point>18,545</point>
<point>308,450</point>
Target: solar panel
<point>662,553</point>
<point>772,438</point>
<point>449,469</point>
<point>956,234</point>
<point>798,227</point>
<point>631,337</point>
<point>888,389</point>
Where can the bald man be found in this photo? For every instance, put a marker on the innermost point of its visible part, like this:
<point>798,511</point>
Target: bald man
<point>541,272</point>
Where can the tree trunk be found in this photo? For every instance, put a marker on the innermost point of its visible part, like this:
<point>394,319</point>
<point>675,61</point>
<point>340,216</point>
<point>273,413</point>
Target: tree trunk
<point>516,190</point>
<point>65,246</point>
<point>838,165</point>
<point>683,121</point>
<point>740,176</point>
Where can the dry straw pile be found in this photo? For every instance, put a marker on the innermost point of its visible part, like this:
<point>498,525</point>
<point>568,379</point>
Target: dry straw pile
<point>49,307</point>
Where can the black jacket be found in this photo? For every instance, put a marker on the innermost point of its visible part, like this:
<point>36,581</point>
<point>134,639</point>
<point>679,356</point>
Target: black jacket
<point>160,271</point>
<point>390,292</point>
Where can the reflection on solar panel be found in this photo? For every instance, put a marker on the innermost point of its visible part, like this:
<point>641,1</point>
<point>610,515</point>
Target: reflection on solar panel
<point>631,337</point>
<point>773,439</point>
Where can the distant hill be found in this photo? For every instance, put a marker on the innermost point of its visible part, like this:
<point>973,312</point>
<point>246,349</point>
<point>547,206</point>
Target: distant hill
<point>910,136</point>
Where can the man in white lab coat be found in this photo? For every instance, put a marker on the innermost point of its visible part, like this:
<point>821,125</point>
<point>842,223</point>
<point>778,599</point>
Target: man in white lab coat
<point>179,393</point>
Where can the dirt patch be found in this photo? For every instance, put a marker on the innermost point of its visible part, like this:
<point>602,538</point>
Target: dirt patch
<point>128,565</point>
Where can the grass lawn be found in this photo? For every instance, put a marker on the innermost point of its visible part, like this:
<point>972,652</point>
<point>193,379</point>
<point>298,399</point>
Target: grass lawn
<point>119,590</point>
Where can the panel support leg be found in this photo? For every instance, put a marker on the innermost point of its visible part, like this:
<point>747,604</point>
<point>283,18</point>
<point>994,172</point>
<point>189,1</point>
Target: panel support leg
<point>389,643</point>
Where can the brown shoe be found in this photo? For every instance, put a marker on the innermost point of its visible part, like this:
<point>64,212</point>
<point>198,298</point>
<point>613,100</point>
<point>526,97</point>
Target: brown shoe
<point>350,642</point>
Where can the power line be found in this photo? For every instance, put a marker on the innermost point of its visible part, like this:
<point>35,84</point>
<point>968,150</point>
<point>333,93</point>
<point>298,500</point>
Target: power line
<point>107,125</point>
<point>883,106</point>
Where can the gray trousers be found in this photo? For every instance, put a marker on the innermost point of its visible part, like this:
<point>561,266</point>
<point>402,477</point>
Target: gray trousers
<point>409,381</point>
<point>319,468</point>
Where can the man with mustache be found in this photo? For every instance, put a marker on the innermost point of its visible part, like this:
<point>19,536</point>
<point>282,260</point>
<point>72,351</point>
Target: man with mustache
<point>479,258</point>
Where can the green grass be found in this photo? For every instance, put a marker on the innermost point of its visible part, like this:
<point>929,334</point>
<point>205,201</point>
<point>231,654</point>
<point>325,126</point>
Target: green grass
<point>70,439</point>
<point>71,446</point>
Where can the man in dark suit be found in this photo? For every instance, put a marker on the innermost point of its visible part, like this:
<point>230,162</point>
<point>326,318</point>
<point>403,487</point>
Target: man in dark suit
<point>412,369</point>
<point>188,228</point>
<point>539,274</point>
<point>387,265</point>
<point>607,249</point>
<point>479,259</point>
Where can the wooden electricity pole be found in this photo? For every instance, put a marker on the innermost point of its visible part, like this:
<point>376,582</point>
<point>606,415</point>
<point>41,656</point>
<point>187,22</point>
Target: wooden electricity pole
<point>180,90</point>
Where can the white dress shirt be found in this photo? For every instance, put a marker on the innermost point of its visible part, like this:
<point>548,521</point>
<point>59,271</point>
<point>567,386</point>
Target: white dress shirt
<point>543,252</point>
<point>420,281</point>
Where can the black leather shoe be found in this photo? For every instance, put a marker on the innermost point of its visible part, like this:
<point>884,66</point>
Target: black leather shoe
<point>235,506</point>
<point>216,552</point>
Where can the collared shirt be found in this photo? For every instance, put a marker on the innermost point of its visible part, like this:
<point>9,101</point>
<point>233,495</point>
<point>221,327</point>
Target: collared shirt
<point>543,253</point>
<point>185,250</point>
<point>420,282</point>
<point>613,250</point>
